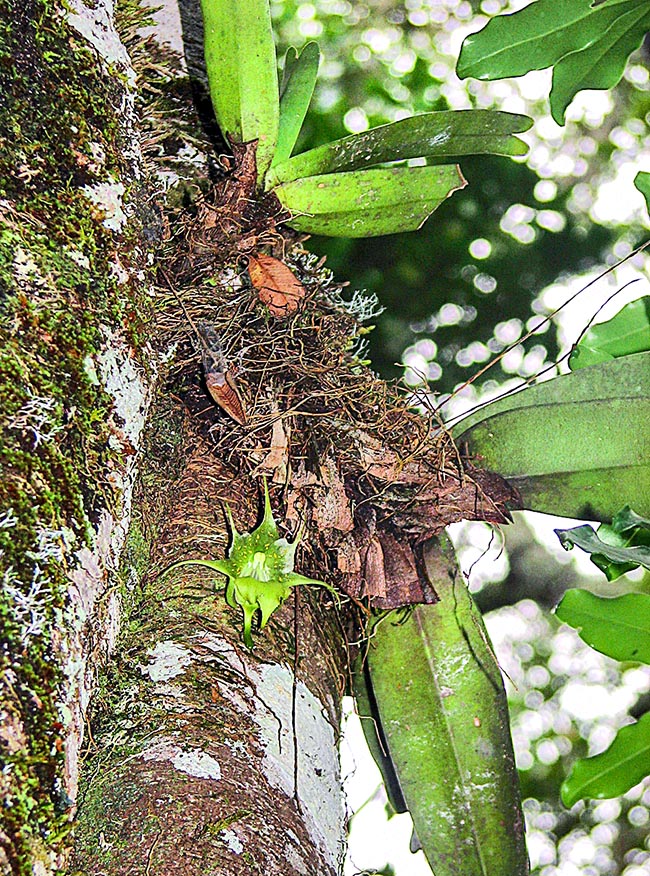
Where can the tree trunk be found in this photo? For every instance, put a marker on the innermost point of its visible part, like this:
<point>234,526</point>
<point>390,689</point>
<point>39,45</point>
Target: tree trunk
<point>199,755</point>
<point>202,754</point>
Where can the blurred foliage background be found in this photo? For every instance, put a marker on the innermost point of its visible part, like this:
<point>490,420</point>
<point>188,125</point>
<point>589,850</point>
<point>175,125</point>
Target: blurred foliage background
<point>487,254</point>
<point>486,269</point>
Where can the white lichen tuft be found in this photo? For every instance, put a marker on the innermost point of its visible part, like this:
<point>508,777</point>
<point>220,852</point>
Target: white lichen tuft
<point>39,416</point>
<point>29,609</point>
<point>107,196</point>
<point>52,545</point>
<point>8,519</point>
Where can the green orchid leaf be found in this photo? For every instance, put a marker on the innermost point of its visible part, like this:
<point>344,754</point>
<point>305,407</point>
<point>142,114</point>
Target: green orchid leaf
<point>438,712</point>
<point>369,202</point>
<point>599,65</point>
<point>441,137</point>
<point>612,552</point>
<point>533,38</point>
<point>618,627</point>
<point>242,72</point>
<point>633,537</point>
<point>627,520</point>
<point>627,332</point>
<point>299,81</point>
<point>577,445</point>
<point>642,183</point>
<point>625,763</point>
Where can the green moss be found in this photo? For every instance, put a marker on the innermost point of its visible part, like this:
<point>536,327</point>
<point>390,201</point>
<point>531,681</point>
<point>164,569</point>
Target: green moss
<point>58,287</point>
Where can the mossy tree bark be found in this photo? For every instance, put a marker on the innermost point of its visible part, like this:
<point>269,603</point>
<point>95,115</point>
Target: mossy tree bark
<point>202,756</point>
<point>121,234</point>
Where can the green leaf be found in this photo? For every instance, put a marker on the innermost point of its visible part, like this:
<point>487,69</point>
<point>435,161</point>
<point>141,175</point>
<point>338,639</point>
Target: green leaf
<point>625,763</point>
<point>642,182</point>
<point>627,332</point>
<point>588,45</point>
<point>611,551</point>
<point>242,72</point>
<point>627,519</point>
<point>577,445</point>
<point>600,64</point>
<point>300,73</point>
<point>618,627</point>
<point>440,137</point>
<point>442,708</point>
<point>368,202</point>
<point>534,38</point>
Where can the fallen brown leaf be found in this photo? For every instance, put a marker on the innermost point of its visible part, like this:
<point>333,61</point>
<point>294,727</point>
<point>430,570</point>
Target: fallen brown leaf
<point>277,285</point>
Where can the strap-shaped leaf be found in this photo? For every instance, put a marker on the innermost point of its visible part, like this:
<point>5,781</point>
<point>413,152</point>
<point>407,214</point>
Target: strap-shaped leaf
<point>642,183</point>
<point>616,770</point>
<point>299,81</point>
<point>242,72</point>
<point>366,203</point>
<point>627,376</point>
<point>627,332</point>
<point>441,705</point>
<point>536,37</point>
<point>440,137</point>
<point>601,63</point>
<point>618,627</point>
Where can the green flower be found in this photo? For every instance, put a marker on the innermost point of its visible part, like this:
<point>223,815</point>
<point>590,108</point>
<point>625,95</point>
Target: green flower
<point>259,567</point>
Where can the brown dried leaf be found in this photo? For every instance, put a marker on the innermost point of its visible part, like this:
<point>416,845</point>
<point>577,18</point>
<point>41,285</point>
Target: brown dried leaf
<point>333,511</point>
<point>277,285</point>
<point>225,392</point>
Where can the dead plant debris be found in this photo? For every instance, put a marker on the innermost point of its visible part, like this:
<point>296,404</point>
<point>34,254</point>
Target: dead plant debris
<point>374,478</point>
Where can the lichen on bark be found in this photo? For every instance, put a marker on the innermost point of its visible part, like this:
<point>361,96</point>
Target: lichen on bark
<point>70,318</point>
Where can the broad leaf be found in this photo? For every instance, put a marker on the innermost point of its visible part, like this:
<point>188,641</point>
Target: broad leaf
<point>440,137</point>
<point>618,627</point>
<point>642,182</point>
<point>626,377</point>
<point>576,445</point>
<point>625,763</point>
<point>366,203</point>
<point>587,43</point>
<point>601,64</point>
<point>440,702</point>
<point>627,332</point>
<point>534,38</point>
<point>299,81</point>
<point>242,72</point>
<point>612,550</point>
